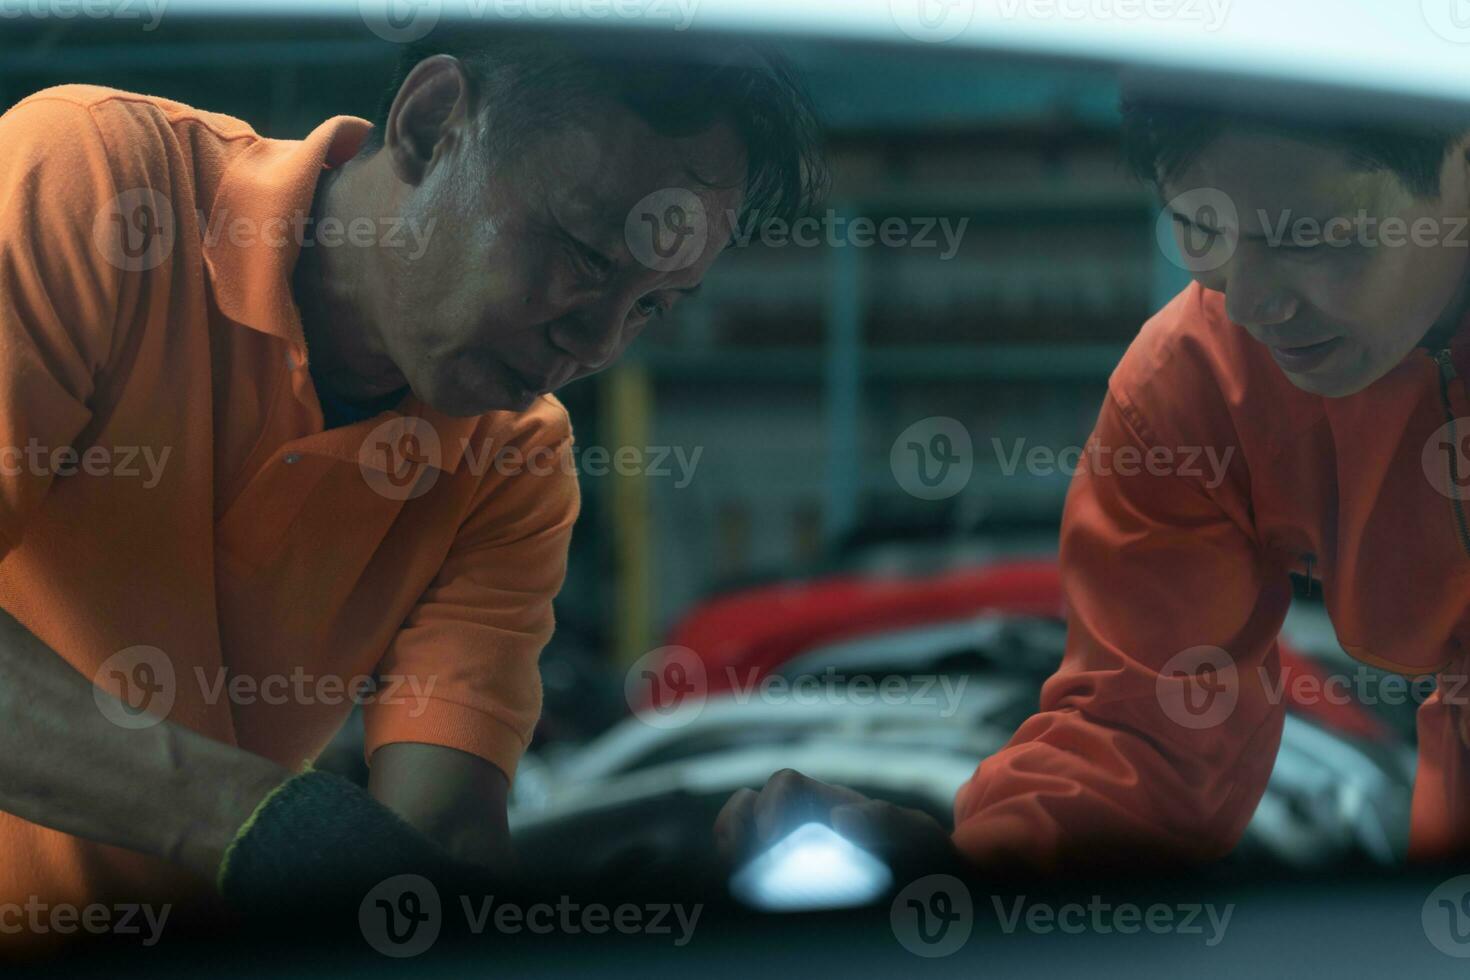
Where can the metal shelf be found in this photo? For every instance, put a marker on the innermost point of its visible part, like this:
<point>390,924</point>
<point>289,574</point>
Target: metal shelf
<point>1089,362</point>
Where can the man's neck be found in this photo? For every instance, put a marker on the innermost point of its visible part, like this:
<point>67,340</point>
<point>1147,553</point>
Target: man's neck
<point>328,284</point>
<point>1451,321</point>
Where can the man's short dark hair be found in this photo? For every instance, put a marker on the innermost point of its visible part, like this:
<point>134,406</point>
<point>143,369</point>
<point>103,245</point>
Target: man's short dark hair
<point>533,82</point>
<point>1161,138</point>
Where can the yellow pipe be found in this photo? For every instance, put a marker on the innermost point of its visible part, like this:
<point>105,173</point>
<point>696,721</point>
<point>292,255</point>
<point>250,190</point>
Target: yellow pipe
<point>628,406</point>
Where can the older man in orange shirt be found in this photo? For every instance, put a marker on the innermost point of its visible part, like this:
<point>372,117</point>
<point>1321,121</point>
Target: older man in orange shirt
<point>275,419</point>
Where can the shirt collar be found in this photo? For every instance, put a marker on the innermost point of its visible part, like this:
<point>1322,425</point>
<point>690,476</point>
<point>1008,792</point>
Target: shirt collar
<point>271,186</point>
<point>253,231</point>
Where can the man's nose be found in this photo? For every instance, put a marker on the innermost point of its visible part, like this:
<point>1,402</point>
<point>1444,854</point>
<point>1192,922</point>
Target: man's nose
<point>1259,310</point>
<point>590,336</point>
<point>1254,298</point>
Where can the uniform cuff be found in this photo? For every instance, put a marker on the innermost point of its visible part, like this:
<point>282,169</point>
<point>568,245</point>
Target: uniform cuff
<point>435,721</point>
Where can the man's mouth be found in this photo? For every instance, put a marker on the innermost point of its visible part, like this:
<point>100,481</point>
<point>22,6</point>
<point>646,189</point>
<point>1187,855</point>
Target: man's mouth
<point>531,384</point>
<point>1301,358</point>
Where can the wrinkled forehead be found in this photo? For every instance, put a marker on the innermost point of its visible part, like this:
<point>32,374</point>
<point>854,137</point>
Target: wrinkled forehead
<point>599,166</point>
<point>1265,178</point>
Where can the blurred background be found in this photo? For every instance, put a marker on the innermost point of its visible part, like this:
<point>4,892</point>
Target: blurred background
<point>780,520</point>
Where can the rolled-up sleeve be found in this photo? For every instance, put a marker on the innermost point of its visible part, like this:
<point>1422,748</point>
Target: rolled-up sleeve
<point>466,660</point>
<point>1157,735</point>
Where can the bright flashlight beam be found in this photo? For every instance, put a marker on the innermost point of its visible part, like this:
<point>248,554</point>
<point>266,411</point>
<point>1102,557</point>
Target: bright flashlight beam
<point>813,867</point>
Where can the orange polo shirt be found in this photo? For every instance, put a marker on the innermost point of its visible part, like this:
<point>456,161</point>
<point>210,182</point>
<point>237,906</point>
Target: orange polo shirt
<point>1211,479</point>
<point>166,483</point>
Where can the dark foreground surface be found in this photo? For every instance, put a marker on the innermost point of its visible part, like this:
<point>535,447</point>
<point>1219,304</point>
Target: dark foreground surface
<point>1205,925</point>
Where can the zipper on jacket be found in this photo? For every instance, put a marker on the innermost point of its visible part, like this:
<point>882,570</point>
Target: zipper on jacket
<point>1448,374</point>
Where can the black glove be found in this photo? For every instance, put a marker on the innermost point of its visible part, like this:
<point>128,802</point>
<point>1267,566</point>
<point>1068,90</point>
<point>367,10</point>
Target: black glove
<point>318,844</point>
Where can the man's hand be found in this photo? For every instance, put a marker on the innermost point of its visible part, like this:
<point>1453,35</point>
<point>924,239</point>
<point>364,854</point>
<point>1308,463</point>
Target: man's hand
<point>753,820</point>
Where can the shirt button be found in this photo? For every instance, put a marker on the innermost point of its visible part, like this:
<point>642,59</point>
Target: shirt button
<point>292,458</point>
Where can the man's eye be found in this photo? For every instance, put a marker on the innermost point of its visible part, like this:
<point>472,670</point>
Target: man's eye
<point>594,263</point>
<point>1190,228</point>
<point>650,307</point>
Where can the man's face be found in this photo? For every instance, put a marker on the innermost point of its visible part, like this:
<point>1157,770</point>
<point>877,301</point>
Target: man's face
<point>1343,297</point>
<point>528,280</point>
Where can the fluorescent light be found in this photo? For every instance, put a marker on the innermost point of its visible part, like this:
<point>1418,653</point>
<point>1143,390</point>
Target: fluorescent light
<point>1409,46</point>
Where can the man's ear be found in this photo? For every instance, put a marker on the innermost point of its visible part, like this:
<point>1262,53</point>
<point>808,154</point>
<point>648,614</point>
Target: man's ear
<point>1454,180</point>
<point>432,109</point>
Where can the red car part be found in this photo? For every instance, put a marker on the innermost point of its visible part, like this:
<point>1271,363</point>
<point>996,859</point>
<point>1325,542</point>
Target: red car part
<point>748,634</point>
